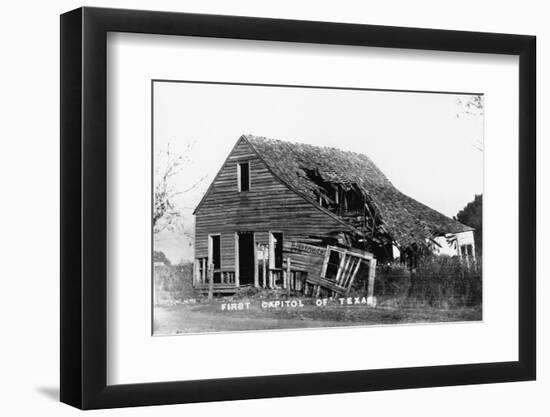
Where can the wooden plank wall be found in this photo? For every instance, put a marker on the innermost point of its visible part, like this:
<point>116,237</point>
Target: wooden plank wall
<point>268,206</point>
<point>302,260</point>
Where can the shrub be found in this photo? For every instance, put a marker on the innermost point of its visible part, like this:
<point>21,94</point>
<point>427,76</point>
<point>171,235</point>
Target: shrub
<point>444,281</point>
<point>173,283</point>
<point>392,280</point>
<point>438,281</point>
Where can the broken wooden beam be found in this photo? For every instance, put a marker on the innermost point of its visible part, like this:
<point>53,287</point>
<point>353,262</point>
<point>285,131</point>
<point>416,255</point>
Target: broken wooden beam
<point>352,279</point>
<point>319,282</point>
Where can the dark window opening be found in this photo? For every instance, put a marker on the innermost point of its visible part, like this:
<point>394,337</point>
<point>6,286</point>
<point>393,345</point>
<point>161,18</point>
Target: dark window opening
<point>278,250</point>
<point>244,176</point>
<point>333,264</point>
<point>246,258</point>
<point>467,251</point>
<point>216,251</point>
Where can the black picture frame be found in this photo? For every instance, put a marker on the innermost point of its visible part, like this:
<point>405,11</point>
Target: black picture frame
<point>84,207</point>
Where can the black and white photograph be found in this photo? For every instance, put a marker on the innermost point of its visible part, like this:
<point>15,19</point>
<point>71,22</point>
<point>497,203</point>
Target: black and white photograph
<point>275,209</point>
<point>279,207</point>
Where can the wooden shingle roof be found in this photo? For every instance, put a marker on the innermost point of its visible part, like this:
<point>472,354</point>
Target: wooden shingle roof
<point>406,220</point>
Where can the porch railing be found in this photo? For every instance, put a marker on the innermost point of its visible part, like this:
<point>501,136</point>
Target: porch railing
<point>208,277</point>
<point>219,275</point>
<point>286,277</point>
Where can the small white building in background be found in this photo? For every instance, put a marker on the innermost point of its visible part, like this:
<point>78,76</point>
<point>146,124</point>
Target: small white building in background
<point>455,244</point>
<point>452,244</point>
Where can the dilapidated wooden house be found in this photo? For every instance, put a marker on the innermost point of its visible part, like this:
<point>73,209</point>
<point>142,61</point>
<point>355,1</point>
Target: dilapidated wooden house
<point>308,218</point>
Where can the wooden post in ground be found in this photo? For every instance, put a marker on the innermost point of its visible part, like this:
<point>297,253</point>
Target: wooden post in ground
<point>237,277</point>
<point>288,276</point>
<point>210,281</point>
<point>256,264</point>
<point>284,275</point>
<point>370,292</point>
<point>264,267</point>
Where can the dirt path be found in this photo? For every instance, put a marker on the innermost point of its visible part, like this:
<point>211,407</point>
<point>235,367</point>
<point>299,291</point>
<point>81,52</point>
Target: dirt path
<point>209,317</point>
<point>174,320</point>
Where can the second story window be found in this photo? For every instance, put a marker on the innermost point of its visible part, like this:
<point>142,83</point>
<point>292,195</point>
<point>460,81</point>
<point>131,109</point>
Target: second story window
<point>244,176</point>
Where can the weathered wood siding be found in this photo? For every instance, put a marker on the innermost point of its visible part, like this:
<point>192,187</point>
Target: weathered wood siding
<point>268,206</point>
<point>305,260</point>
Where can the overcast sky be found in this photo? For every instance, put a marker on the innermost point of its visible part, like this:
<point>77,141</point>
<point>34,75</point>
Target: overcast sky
<point>425,143</point>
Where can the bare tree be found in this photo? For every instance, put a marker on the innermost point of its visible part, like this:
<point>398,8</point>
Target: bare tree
<point>472,106</point>
<point>166,214</point>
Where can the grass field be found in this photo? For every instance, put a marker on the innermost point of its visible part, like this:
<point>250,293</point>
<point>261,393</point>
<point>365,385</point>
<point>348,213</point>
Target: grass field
<point>444,290</point>
<point>213,316</point>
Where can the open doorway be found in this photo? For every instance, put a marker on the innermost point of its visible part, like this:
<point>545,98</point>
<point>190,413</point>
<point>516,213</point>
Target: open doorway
<point>246,258</point>
<point>275,250</point>
<point>214,256</point>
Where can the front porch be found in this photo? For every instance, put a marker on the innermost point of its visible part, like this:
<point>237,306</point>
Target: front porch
<point>336,277</point>
<point>208,279</point>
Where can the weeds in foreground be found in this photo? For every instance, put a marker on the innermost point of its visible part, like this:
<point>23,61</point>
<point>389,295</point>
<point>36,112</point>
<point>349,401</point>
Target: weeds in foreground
<point>437,281</point>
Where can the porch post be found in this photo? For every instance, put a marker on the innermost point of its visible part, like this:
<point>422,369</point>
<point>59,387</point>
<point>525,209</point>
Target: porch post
<point>264,267</point>
<point>288,276</point>
<point>237,260</point>
<point>256,277</point>
<point>210,281</point>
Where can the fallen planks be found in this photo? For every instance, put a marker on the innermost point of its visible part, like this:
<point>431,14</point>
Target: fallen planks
<point>348,267</point>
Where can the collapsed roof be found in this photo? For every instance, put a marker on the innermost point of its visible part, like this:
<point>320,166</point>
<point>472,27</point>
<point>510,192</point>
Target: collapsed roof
<point>304,168</point>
